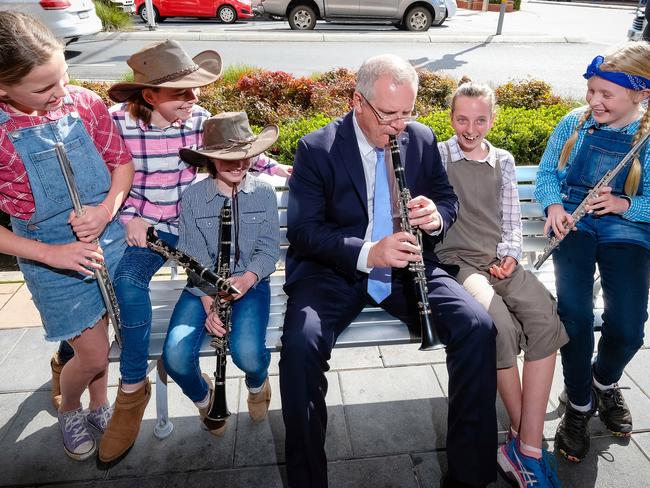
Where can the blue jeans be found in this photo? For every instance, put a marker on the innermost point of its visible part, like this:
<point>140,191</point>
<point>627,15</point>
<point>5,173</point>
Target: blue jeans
<point>137,267</point>
<point>625,277</point>
<point>250,316</point>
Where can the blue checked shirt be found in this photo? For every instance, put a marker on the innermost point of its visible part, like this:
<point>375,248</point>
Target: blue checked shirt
<point>549,178</point>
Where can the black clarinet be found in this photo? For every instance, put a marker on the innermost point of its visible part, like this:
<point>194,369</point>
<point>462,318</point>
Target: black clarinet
<point>188,262</point>
<point>430,339</point>
<point>218,404</point>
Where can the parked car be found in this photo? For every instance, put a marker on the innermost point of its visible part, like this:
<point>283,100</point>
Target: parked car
<point>227,11</point>
<point>412,15</point>
<point>635,33</point>
<point>127,6</point>
<point>68,19</point>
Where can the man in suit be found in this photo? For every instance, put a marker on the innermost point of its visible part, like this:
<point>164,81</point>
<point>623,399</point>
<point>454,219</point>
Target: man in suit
<point>344,255</point>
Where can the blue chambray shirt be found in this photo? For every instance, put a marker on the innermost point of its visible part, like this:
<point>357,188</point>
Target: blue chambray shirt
<point>550,179</point>
<point>259,230</point>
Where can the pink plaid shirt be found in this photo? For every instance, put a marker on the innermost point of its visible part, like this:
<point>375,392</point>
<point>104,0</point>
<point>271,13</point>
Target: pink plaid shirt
<point>16,197</point>
<point>161,176</point>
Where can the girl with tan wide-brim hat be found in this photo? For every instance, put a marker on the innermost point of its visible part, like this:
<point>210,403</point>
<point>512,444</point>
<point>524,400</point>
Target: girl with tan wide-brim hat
<point>156,115</point>
<point>229,144</point>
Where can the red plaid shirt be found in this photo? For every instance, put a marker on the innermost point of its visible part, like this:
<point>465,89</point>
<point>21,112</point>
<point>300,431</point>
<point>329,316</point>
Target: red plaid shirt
<point>16,197</point>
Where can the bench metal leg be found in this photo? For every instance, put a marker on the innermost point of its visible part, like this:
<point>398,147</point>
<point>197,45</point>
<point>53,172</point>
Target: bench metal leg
<point>164,426</point>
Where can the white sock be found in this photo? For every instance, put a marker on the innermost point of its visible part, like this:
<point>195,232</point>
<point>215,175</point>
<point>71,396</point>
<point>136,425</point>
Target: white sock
<point>205,402</point>
<point>581,408</point>
<point>602,387</point>
<point>530,451</point>
<point>255,390</point>
<point>514,433</point>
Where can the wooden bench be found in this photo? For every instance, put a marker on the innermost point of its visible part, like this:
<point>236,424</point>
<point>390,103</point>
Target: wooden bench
<point>372,327</point>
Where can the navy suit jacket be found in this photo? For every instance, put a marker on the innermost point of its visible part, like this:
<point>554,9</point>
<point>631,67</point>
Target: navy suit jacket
<point>327,211</point>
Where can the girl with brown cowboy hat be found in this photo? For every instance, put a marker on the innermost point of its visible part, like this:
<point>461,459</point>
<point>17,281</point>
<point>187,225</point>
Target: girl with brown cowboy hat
<point>228,148</point>
<point>156,115</point>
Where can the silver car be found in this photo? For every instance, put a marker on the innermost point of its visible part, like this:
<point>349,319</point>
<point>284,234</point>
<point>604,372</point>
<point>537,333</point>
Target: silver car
<point>68,19</point>
<point>412,15</point>
<point>639,23</point>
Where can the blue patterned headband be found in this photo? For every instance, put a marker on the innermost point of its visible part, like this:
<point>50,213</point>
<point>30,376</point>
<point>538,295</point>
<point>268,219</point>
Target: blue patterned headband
<point>633,82</point>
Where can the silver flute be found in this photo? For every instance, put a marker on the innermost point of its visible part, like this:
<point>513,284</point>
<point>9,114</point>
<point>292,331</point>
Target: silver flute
<point>581,210</point>
<point>101,274</point>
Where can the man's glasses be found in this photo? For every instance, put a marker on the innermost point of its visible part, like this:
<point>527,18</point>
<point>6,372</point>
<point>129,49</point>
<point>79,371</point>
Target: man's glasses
<point>384,119</point>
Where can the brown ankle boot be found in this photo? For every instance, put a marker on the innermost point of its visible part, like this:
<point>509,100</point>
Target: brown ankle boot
<point>123,428</point>
<point>215,427</point>
<point>258,403</point>
<point>56,381</point>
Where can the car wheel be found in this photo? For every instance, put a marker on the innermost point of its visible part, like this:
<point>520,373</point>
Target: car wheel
<point>302,17</point>
<point>227,14</point>
<point>156,15</point>
<point>418,19</point>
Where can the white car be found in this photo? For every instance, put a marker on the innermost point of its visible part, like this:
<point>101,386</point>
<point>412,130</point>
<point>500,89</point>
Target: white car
<point>68,19</point>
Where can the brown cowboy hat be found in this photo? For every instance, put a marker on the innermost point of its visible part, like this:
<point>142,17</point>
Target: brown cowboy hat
<point>166,64</point>
<point>228,136</point>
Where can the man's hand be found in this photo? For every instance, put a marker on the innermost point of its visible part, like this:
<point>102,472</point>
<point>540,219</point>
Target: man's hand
<point>504,269</point>
<point>394,251</point>
<point>91,224</point>
<point>606,203</point>
<point>558,220</point>
<point>136,232</point>
<point>424,214</point>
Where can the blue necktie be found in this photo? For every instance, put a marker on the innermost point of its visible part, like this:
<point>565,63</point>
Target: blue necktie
<point>382,226</point>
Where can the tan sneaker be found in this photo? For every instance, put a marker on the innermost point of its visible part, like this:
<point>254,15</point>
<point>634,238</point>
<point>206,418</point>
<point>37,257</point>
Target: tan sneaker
<point>56,380</point>
<point>215,427</point>
<point>258,403</point>
<point>124,426</point>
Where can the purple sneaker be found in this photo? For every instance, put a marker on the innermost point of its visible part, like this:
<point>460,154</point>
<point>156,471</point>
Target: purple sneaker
<point>78,443</point>
<point>98,419</point>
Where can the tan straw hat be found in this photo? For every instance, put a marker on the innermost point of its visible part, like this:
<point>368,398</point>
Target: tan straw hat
<point>166,64</point>
<point>228,136</point>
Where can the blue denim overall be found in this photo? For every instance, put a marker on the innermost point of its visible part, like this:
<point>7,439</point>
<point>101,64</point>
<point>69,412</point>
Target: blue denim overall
<point>67,301</point>
<point>621,249</point>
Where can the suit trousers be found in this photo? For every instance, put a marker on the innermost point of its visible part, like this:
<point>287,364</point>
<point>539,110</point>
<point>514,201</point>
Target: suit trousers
<point>319,308</point>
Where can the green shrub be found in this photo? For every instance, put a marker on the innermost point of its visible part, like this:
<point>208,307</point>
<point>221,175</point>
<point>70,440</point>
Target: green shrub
<point>284,149</point>
<point>526,93</point>
<point>112,17</point>
<point>434,92</point>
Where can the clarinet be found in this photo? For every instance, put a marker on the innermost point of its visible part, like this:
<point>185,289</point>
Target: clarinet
<point>101,275</point>
<point>188,262</point>
<point>581,210</point>
<point>218,405</point>
<point>430,339</point>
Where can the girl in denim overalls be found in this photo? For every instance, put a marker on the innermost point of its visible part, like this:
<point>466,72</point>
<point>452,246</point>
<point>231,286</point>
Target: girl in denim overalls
<point>615,235</point>
<point>54,247</point>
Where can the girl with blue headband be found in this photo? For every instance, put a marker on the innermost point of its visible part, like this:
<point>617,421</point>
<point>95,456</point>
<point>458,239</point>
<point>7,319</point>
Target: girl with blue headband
<point>615,235</point>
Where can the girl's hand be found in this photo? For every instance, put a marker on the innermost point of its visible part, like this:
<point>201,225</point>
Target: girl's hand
<point>136,232</point>
<point>213,324</point>
<point>504,269</point>
<point>558,220</point>
<point>82,257</point>
<point>91,224</point>
<point>607,203</point>
<point>243,283</point>
<point>284,170</point>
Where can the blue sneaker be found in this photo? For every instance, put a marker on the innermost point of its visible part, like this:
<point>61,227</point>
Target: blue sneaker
<point>526,471</point>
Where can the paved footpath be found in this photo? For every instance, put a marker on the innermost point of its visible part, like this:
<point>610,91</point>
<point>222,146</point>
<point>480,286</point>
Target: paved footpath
<point>387,410</point>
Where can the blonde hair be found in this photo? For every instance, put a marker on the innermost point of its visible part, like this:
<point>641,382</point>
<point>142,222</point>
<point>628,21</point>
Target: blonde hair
<point>633,60</point>
<point>25,43</point>
<point>469,88</point>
